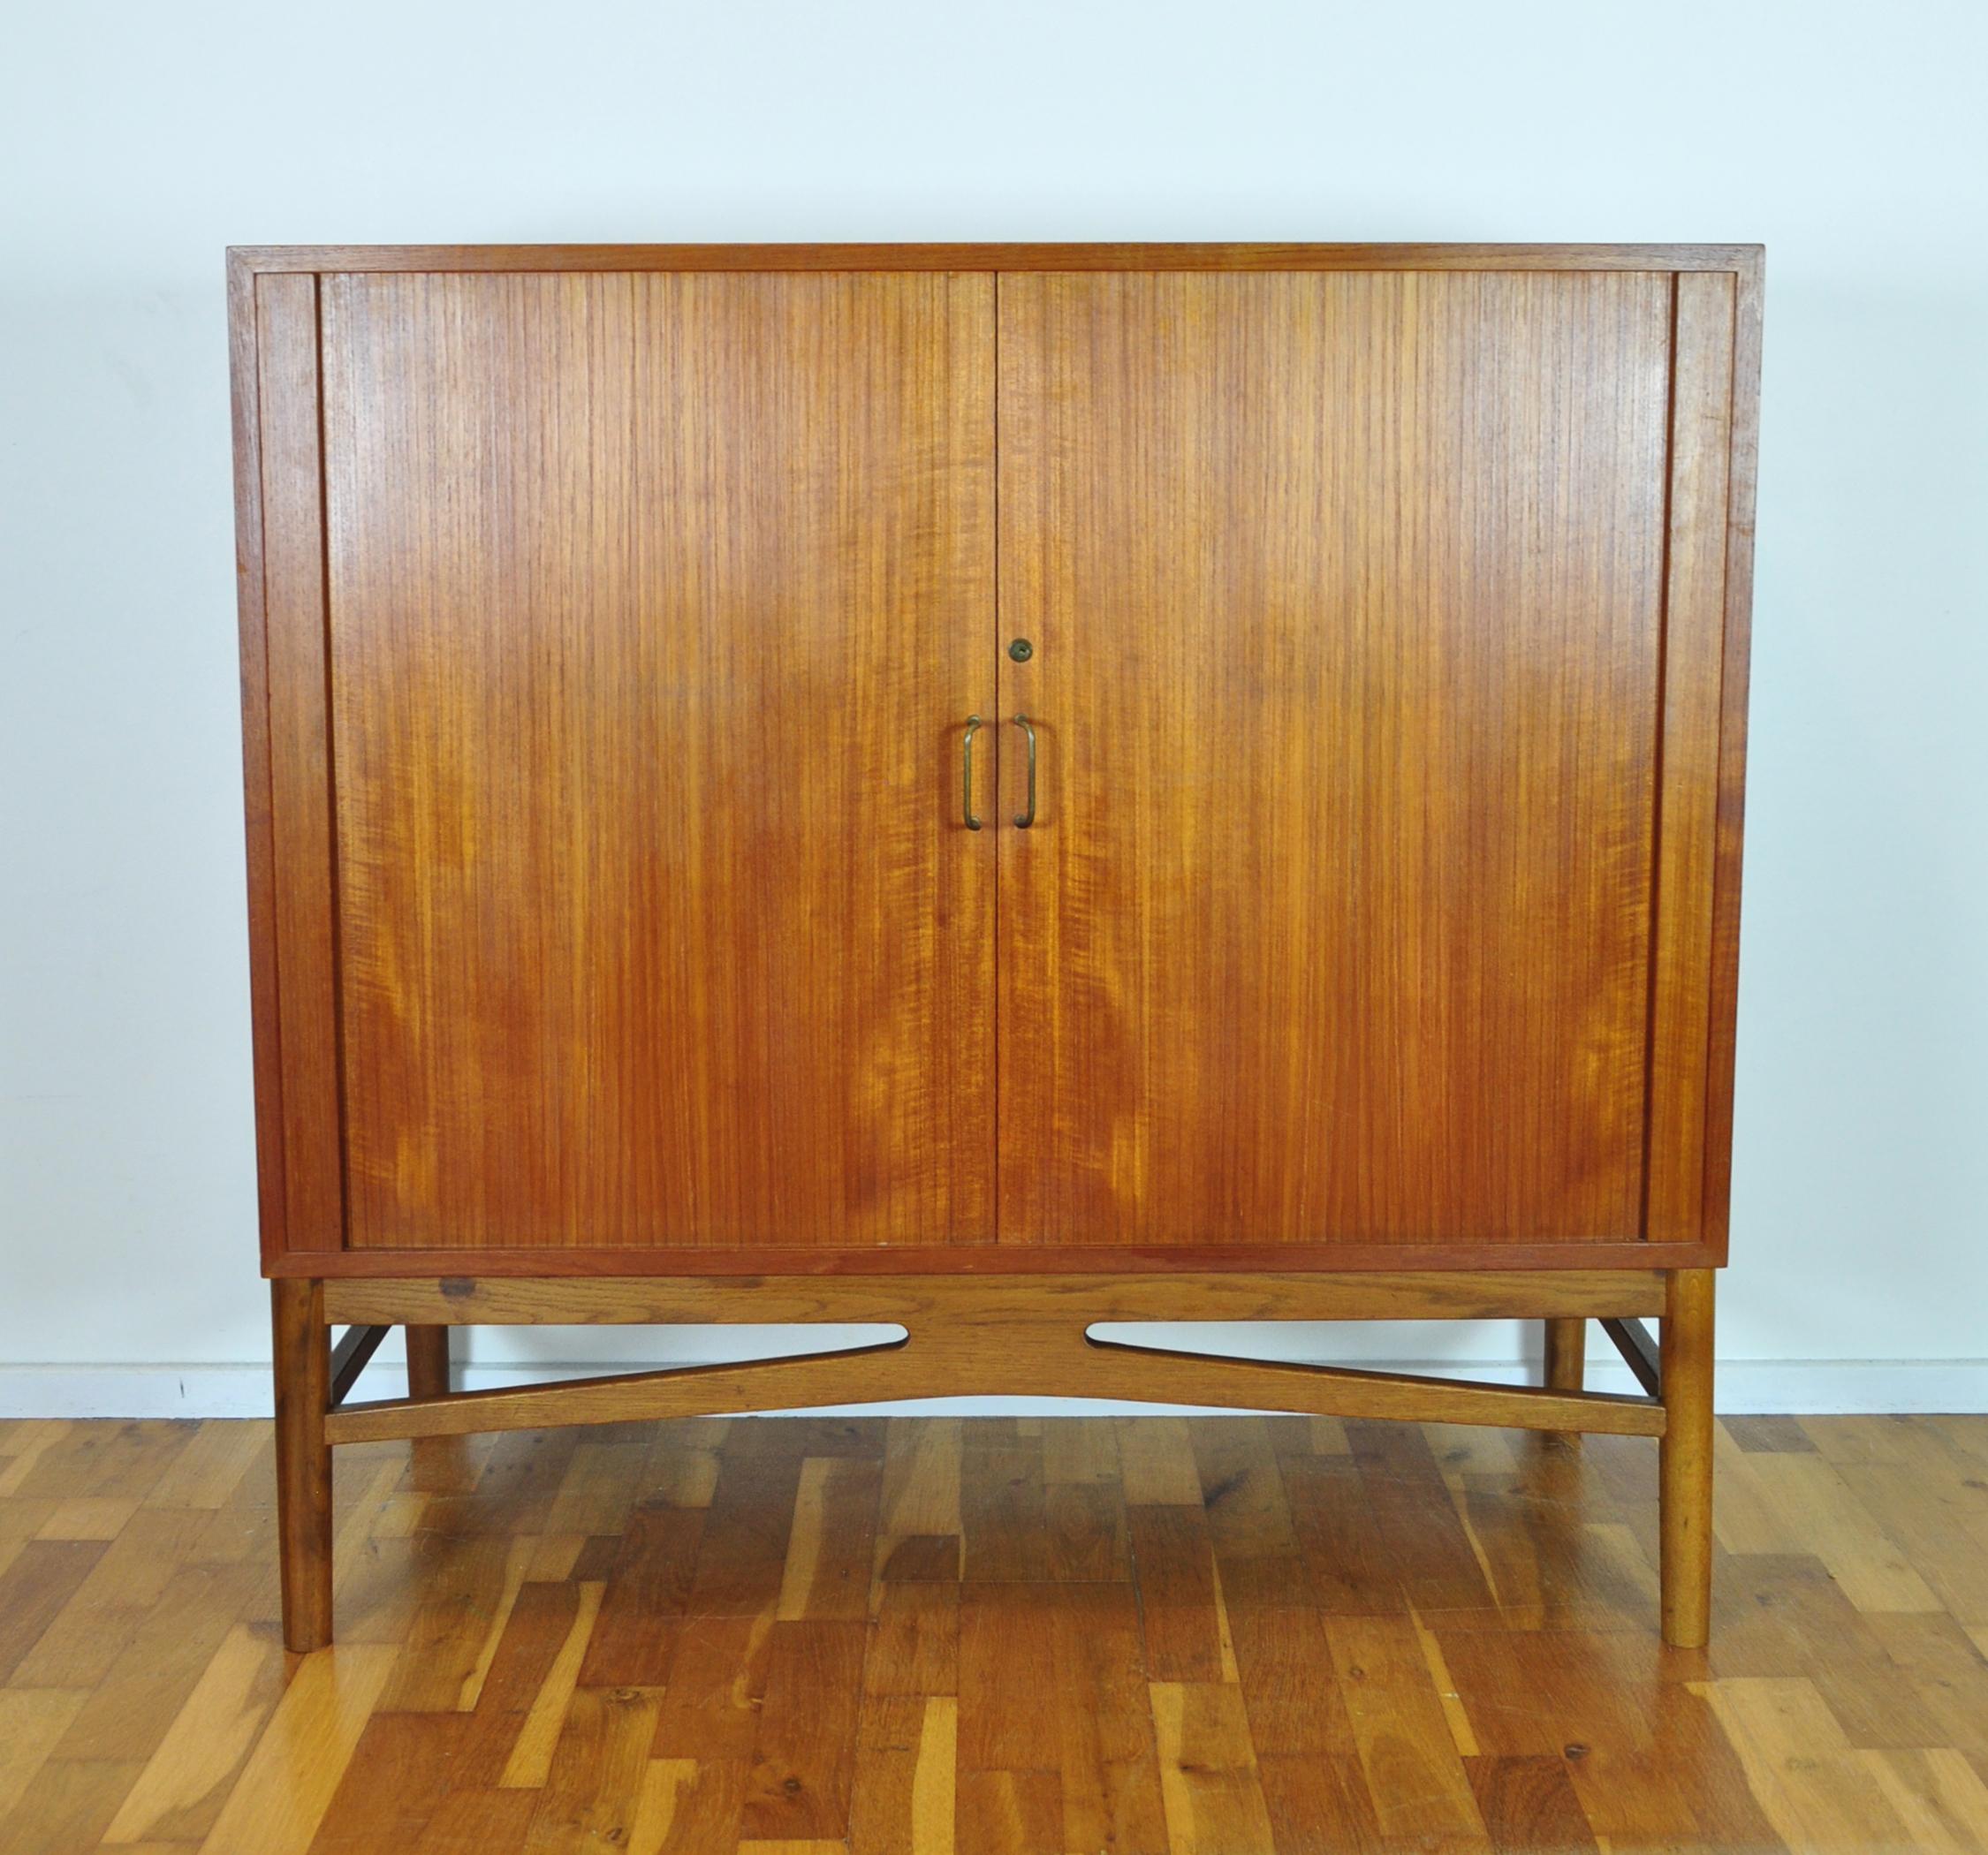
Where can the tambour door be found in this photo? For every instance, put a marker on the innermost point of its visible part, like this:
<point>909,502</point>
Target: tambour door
<point>1339,918</point>
<point>654,603</point>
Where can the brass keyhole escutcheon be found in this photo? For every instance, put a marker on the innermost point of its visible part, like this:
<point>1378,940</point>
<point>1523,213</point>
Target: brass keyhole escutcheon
<point>1021,650</point>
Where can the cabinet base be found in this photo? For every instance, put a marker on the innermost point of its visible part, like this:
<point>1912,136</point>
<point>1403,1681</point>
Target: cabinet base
<point>990,1335</point>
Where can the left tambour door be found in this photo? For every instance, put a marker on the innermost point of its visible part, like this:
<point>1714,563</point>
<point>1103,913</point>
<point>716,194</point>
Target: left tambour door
<point>656,604</point>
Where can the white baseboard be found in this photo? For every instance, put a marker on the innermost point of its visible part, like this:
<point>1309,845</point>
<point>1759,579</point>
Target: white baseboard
<point>1746,1387</point>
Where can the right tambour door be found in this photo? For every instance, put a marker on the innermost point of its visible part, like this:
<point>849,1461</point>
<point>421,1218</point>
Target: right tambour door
<point>1346,594</point>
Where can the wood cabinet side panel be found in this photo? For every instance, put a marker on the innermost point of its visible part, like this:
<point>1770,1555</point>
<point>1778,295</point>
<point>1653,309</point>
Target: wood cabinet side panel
<point>302,905</point>
<point>1689,796</point>
<point>258,832</point>
<point>1742,476</point>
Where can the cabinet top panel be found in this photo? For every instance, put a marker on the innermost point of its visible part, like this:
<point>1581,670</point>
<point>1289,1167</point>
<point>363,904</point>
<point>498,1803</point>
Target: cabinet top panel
<point>255,258</point>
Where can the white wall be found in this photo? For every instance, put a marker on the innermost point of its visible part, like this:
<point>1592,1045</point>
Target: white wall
<point>136,141</point>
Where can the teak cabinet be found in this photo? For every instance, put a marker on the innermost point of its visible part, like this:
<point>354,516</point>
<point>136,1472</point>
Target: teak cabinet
<point>992,789</point>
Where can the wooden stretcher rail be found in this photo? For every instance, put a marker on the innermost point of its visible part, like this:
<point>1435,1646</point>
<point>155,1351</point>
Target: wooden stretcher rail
<point>349,1357</point>
<point>904,1370</point>
<point>1639,1351</point>
<point>1409,1295</point>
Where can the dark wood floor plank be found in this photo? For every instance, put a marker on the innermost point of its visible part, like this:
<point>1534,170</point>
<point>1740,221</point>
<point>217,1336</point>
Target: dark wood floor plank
<point>804,1758</point>
<point>396,1780</point>
<point>1318,1803</point>
<point>1283,1665</point>
<point>594,1788</point>
<point>1010,1813</point>
<point>831,1544</point>
<point>711,1698</point>
<point>1242,1487</point>
<point>1007,1678</point>
<point>915,1640</point>
<point>1948,1670</point>
<point>1777,1615</point>
<point>1173,1559</point>
<point>1529,1804</point>
<point>1086,1525</point>
<point>1399,1727</point>
<point>539,1627</point>
<point>1346,1560</point>
<point>1004,1501</point>
<point>648,1585</point>
<point>124,1586</point>
<point>742,1550</point>
<point>904,1798</point>
<point>461,1578</point>
<point>133,1707</point>
<point>115,1460</point>
<point>1107,1761</point>
<point>1546,1567</point>
<point>1422,1535</point>
<point>479,1822</point>
<point>931,1558</point>
<point>66,1806</point>
<point>1769,1436</point>
<point>521,1480</point>
<point>34,1589</point>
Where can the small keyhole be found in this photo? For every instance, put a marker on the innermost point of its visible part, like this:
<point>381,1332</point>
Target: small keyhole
<point>1021,650</point>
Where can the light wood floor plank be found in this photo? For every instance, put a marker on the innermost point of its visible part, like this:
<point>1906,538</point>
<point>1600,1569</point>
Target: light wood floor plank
<point>1208,1771</point>
<point>32,1721</point>
<point>208,1742</point>
<point>282,1794</point>
<point>531,1757</point>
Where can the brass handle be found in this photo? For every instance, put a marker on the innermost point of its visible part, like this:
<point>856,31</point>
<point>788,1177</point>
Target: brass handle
<point>1023,820</point>
<point>967,775</point>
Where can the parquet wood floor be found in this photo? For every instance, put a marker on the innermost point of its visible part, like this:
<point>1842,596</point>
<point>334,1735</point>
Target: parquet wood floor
<point>1188,1637</point>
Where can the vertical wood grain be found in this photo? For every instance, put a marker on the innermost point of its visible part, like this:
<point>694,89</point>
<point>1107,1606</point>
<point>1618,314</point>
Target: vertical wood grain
<point>1745,455</point>
<point>299,755</point>
<point>301,1359</point>
<point>1566,1354</point>
<point>428,1361</point>
<point>1694,670</point>
<point>244,380</point>
<point>1685,1459</point>
<point>659,603</point>
<point>1346,599</point>
<point>437,1461</point>
<point>1432,388</point>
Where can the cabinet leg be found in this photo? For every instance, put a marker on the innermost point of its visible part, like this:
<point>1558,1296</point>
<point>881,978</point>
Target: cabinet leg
<point>302,1358</point>
<point>1686,1456</point>
<point>436,1460</point>
<point>428,1361</point>
<point>1566,1354</point>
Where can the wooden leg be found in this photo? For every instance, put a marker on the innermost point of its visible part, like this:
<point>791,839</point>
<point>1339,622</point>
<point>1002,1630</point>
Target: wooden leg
<point>1567,1365</point>
<point>428,1361</point>
<point>302,1358</point>
<point>436,1461</point>
<point>1566,1354</point>
<point>1686,1471</point>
